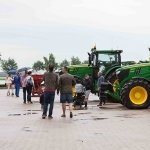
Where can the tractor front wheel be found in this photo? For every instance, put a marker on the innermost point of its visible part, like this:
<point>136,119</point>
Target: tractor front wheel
<point>112,78</point>
<point>136,94</point>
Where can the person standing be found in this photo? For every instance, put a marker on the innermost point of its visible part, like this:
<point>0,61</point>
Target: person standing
<point>24,86</point>
<point>87,87</point>
<point>12,86</point>
<point>8,82</point>
<point>17,82</point>
<point>66,81</point>
<point>29,82</point>
<point>100,80</point>
<point>51,83</point>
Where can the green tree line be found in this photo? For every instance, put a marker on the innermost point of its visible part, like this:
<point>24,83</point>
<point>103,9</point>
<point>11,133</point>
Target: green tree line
<point>11,64</point>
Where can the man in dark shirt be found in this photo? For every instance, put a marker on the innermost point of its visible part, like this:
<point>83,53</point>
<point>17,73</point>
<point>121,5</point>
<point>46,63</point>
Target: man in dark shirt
<point>66,81</point>
<point>51,82</point>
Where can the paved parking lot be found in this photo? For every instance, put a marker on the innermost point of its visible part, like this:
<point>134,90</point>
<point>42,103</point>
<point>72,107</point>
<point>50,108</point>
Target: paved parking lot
<point>111,127</point>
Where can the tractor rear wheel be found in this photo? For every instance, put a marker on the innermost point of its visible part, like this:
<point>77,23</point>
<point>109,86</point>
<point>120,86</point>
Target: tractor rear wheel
<point>112,78</point>
<point>136,94</point>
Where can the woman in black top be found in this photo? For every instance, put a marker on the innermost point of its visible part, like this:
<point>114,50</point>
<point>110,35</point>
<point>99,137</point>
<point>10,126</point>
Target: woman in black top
<point>87,87</point>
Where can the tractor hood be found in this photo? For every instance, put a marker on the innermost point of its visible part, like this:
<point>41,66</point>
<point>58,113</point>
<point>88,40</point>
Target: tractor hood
<point>78,66</point>
<point>80,70</point>
<point>134,66</point>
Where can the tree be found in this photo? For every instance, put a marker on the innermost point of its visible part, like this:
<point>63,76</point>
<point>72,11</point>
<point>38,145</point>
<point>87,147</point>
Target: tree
<point>50,60</point>
<point>9,64</point>
<point>75,61</point>
<point>38,65</point>
<point>85,62</point>
<point>64,63</point>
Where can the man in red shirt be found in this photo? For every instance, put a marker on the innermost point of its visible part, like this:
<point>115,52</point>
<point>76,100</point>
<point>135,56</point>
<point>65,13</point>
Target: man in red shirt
<point>51,82</point>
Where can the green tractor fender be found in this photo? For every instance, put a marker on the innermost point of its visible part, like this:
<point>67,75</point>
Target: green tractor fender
<point>110,71</point>
<point>144,78</point>
<point>133,78</point>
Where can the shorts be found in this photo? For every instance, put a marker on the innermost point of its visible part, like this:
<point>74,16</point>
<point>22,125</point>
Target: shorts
<point>87,93</point>
<point>66,97</point>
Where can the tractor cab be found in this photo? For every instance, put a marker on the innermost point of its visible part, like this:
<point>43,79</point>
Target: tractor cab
<point>104,60</point>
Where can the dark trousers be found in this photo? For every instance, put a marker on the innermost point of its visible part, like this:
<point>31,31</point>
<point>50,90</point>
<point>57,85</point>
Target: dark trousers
<point>29,90</point>
<point>101,99</point>
<point>24,94</point>
<point>48,99</point>
<point>99,94</point>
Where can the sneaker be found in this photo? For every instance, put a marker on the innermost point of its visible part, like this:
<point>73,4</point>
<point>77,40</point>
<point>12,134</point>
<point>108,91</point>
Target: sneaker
<point>50,117</point>
<point>12,94</point>
<point>98,105</point>
<point>63,115</point>
<point>31,102</point>
<point>24,102</point>
<point>71,115</point>
<point>43,116</point>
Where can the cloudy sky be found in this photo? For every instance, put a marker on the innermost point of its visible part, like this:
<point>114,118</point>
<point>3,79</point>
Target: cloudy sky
<point>31,29</point>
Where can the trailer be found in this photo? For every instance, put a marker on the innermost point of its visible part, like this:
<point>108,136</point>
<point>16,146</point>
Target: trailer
<point>38,87</point>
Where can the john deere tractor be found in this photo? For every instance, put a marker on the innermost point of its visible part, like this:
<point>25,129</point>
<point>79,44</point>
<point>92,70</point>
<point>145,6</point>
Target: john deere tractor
<point>106,61</point>
<point>133,87</point>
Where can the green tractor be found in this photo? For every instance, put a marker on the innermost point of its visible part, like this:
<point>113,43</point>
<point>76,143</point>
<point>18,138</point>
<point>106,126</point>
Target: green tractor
<point>133,87</point>
<point>106,61</point>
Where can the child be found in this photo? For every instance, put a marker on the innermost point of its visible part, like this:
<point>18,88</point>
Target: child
<point>79,87</point>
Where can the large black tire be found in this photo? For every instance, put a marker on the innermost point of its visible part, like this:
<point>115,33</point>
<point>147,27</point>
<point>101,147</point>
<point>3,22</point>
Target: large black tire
<point>112,79</point>
<point>136,94</point>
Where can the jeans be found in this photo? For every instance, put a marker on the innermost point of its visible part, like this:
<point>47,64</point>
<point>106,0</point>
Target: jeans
<point>17,89</point>
<point>29,90</point>
<point>48,99</point>
<point>24,94</point>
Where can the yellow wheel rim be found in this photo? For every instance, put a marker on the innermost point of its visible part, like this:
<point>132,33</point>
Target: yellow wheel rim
<point>115,82</point>
<point>138,95</point>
